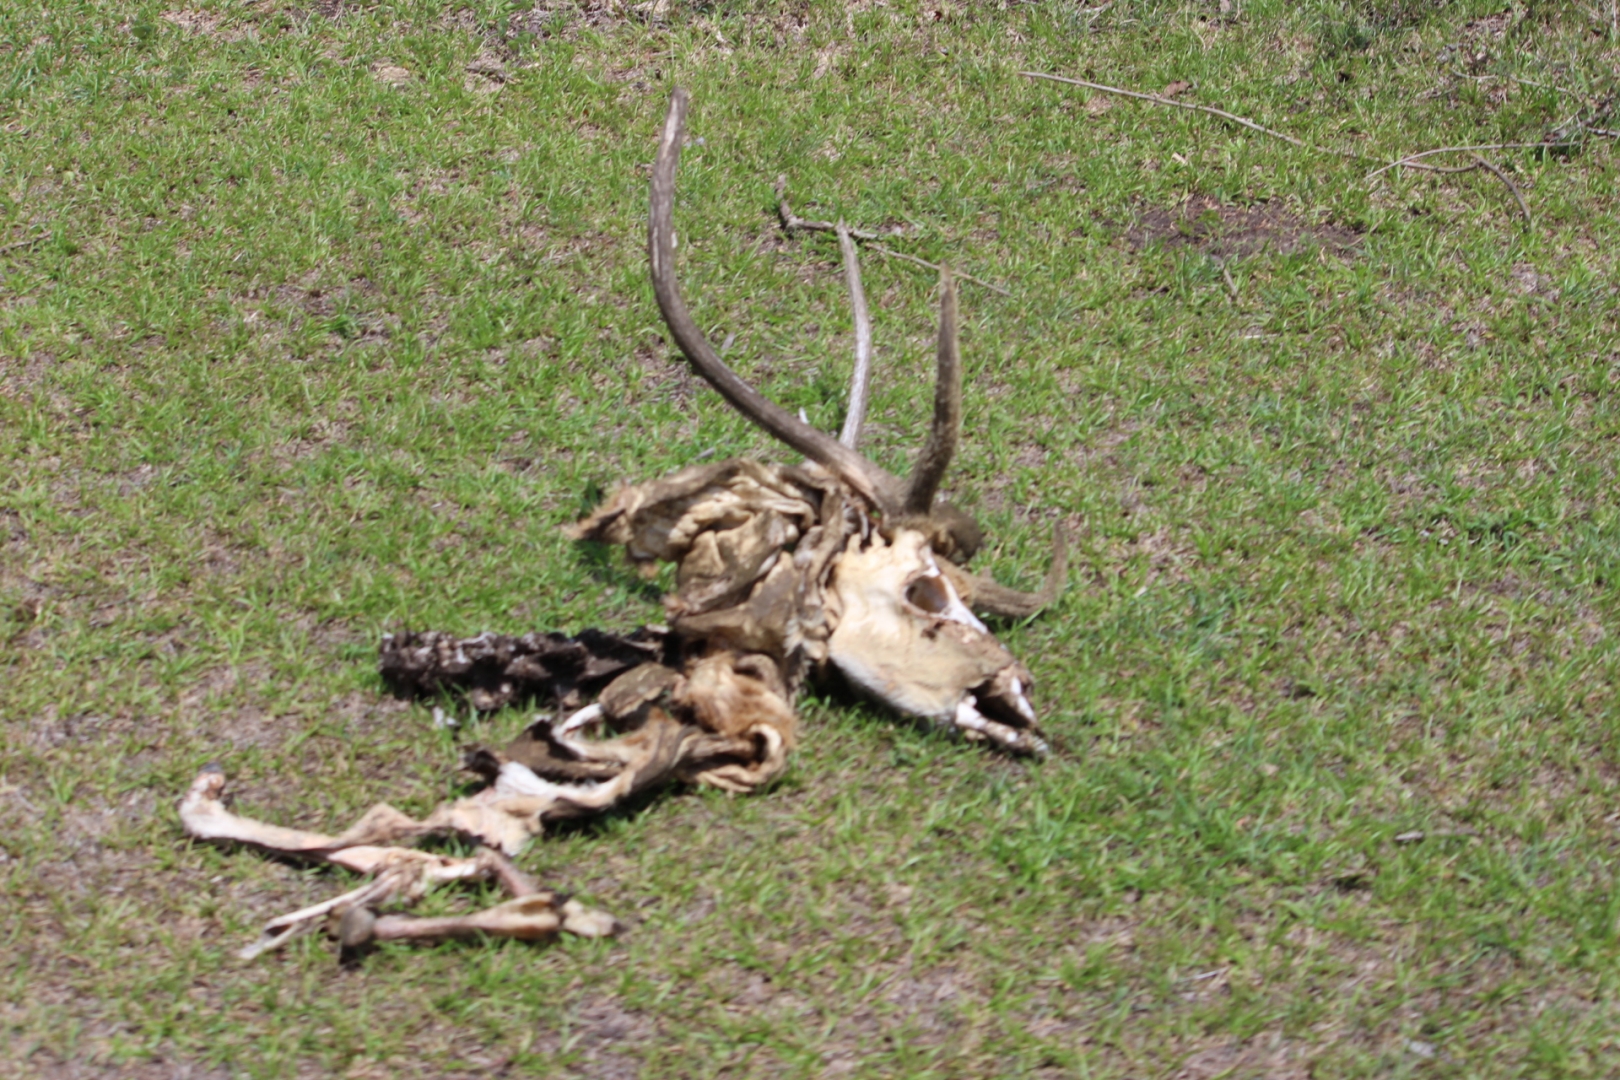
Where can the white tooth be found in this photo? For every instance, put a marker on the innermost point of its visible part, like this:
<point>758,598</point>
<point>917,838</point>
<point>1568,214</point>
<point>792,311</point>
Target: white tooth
<point>588,715</point>
<point>968,716</point>
<point>1025,710</point>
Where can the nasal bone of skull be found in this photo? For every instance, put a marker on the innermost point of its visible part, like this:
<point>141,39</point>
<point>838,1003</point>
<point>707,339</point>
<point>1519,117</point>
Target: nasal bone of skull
<point>905,637</point>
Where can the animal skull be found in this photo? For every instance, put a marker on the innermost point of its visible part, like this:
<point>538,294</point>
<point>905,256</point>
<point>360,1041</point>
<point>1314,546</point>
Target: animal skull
<point>903,635</point>
<point>783,572</point>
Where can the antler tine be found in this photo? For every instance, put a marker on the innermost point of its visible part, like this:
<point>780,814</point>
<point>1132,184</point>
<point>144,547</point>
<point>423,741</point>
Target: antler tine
<point>861,381</point>
<point>883,489</point>
<point>941,446</point>
<point>992,598</point>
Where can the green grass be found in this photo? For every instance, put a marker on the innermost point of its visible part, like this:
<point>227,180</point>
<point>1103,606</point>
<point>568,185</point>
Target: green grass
<point>291,356</point>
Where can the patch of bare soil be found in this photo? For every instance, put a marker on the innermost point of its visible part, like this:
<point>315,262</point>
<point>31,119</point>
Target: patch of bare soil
<point>1270,1058</point>
<point>42,1066</point>
<point>193,22</point>
<point>20,377</point>
<point>602,1032</point>
<point>1225,231</point>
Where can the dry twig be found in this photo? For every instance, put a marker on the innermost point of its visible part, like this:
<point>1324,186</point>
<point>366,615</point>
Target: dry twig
<point>1222,113</point>
<point>1511,186</point>
<point>19,245</point>
<point>1410,159</point>
<point>938,269</point>
<point>792,222</point>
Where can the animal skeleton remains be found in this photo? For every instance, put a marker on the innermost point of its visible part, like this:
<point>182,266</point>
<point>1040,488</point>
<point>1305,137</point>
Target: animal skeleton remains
<point>782,572</point>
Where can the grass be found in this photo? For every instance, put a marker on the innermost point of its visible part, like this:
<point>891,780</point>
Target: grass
<point>296,348</point>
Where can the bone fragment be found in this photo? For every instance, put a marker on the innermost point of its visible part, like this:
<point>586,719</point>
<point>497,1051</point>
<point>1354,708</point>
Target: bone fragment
<point>529,918</point>
<point>399,875</point>
<point>969,719</point>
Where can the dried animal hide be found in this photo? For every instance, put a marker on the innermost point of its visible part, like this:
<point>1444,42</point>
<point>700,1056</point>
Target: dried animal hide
<point>722,723</point>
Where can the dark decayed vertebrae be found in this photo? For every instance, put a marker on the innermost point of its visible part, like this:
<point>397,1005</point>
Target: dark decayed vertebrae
<point>495,670</point>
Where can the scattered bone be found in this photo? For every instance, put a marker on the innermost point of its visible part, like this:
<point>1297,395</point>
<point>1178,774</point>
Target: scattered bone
<point>782,573</point>
<point>398,875</point>
<point>529,918</point>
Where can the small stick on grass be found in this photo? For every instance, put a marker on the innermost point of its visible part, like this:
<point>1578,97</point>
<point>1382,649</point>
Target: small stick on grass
<point>792,222</point>
<point>861,381</point>
<point>1529,221</point>
<point>1410,159</point>
<point>1222,113</point>
<point>19,245</point>
<point>936,268</point>
<point>1448,169</point>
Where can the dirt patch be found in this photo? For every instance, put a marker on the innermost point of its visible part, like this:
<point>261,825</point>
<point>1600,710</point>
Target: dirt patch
<point>193,22</point>
<point>1258,1057</point>
<point>1491,26</point>
<point>1225,231</point>
<point>42,1066</point>
<point>20,378</point>
<point>605,1035</point>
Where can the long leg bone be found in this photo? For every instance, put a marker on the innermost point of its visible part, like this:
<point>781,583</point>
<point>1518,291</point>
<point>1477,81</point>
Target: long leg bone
<point>528,918</point>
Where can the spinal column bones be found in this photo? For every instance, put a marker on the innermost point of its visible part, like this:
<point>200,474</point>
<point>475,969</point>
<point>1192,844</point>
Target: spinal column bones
<point>782,572</point>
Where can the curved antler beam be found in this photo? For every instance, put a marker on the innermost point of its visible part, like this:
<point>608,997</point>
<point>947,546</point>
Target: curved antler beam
<point>992,598</point>
<point>860,383</point>
<point>936,454</point>
<point>882,488</point>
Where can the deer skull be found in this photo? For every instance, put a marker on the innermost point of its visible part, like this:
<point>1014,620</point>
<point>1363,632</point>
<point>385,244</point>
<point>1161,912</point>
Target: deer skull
<point>904,636</point>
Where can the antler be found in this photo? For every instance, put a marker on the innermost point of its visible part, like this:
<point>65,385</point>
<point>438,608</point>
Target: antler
<point>941,446</point>
<point>990,597</point>
<point>861,380</point>
<point>881,487</point>
<point>980,593</point>
<point>957,534</point>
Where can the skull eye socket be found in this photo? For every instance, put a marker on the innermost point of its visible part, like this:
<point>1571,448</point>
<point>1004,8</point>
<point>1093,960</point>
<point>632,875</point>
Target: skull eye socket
<point>929,593</point>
